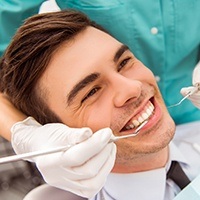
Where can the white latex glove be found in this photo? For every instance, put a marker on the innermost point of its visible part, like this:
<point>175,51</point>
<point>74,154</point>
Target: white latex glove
<point>194,98</point>
<point>82,169</point>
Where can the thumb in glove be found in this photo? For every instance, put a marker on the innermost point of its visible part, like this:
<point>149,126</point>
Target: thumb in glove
<point>194,90</point>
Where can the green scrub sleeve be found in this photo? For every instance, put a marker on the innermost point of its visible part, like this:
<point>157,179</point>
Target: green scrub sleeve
<point>12,15</point>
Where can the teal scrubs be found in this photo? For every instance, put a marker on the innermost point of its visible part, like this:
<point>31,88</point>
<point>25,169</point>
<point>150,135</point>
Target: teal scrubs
<point>164,35</point>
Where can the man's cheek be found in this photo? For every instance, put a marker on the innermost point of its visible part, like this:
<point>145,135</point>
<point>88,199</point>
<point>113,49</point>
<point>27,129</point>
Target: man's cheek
<point>98,120</point>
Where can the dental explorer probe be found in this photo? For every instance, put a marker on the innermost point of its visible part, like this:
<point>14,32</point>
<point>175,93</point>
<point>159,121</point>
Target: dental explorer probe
<point>195,89</point>
<point>59,149</point>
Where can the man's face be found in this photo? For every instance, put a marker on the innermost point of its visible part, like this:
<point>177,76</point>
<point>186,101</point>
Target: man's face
<point>95,81</point>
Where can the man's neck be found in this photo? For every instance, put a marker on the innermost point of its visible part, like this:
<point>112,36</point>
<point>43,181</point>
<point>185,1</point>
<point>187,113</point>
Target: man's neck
<point>144,162</point>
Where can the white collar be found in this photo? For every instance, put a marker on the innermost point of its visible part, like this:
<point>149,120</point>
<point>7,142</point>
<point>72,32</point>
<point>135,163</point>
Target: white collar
<point>140,184</point>
<point>176,155</point>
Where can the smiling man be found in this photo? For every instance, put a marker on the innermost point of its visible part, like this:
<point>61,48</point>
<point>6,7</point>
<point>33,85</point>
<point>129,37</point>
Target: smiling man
<point>95,81</point>
<point>83,77</point>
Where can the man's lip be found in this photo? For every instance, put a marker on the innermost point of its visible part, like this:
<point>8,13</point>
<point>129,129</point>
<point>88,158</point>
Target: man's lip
<point>139,110</point>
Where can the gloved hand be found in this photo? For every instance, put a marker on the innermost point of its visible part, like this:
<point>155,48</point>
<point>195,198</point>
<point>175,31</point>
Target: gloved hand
<point>82,169</point>
<point>194,98</point>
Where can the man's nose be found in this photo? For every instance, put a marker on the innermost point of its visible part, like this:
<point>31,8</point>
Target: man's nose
<point>126,90</point>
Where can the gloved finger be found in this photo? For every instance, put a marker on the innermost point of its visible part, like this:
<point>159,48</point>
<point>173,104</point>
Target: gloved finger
<point>51,135</point>
<point>91,186</point>
<point>101,176</point>
<point>195,99</point>
<point>77,135</point>
<point>184,91</point>
<point>57,177</point>
<point>74,186</point>
<point>93,166</point>
<point>84,186</point>
<point>80,153</point>
<point>95,183</point>
<point>63,135</point>
<point>66,184</point>
<point>86,171</point>
<point>47,163</point>
<point>196,74</point>
<point>58,160</point>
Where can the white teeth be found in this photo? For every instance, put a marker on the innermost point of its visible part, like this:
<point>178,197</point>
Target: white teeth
<point>145,116</point>
<point>140,119</point>
<point>151,107</point>
<point>127,127</point>
<point>135,123</point>
<point>131,126</point>
<point>146,113</point>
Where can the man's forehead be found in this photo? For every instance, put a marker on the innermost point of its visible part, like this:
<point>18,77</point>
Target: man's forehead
<point>81,56</point>
<point>91,43</point>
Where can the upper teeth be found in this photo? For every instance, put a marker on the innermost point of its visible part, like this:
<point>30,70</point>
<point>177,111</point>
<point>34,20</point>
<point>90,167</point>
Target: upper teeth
<point>145,114</point>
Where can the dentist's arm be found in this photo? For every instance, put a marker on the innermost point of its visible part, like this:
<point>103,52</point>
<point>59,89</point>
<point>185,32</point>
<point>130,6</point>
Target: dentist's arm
<point>8,116</point>
<point>194,98</point>
<point>82,169</point>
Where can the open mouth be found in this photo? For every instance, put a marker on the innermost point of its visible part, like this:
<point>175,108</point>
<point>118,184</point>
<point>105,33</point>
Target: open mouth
<point>137,120</point>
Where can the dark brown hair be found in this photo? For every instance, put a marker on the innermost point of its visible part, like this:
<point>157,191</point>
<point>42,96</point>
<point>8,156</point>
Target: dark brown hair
<point>29,53</point>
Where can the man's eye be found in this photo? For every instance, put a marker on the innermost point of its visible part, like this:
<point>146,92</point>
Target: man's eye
<point>123,63</point>
<point>91,93</point>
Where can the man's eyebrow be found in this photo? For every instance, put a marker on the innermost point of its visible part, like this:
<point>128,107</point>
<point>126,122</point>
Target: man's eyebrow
<point>92,77</point>
<point>80,85</point>
<point>120,51</point>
